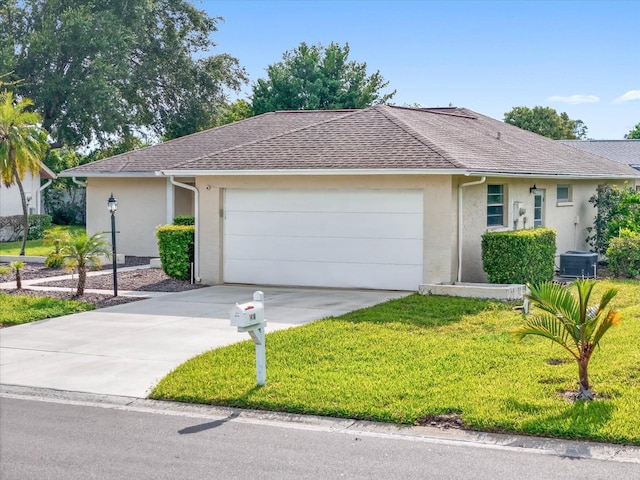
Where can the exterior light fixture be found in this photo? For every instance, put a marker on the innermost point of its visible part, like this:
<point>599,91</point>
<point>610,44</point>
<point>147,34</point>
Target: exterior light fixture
<point>112,206</point>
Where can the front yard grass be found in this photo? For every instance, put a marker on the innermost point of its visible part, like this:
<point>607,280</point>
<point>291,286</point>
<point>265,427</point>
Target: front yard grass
<point>18,309</point>
<point>34,248</point>
<point>408,360</point>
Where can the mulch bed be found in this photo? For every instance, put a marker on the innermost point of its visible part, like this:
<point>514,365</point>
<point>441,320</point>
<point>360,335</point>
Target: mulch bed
<point>145,279</point>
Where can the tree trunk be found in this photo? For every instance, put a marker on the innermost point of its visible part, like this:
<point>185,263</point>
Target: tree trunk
<point>82,279</point>
<point>584,389</point>
<point>25,211</point>
<point>18,279</point>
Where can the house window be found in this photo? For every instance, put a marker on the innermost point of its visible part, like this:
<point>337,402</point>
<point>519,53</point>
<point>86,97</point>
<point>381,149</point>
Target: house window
<point>563,193</point>
<point>495,205</point>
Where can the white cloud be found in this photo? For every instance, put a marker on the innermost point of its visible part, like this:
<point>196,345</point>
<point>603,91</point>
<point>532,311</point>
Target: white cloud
<point>574,99</point>
<point>630,95</point>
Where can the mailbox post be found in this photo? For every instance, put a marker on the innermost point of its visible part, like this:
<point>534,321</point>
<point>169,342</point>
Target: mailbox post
<point>249,317</point>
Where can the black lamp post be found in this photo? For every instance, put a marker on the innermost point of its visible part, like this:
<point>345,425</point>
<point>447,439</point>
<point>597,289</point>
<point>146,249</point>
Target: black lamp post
<point>112,206</point>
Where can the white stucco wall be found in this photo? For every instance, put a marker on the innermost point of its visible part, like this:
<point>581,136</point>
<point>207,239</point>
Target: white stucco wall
<point>10,203</point>
<point>570,219</point>
<point>439,224</point>
<point>142,206</point>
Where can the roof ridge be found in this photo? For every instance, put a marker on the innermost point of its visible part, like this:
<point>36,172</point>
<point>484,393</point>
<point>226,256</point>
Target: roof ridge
<point>348,113</point>
<point>417,135</point>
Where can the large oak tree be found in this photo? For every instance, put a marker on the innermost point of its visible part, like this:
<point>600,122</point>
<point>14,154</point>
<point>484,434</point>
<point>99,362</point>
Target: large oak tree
<point>99,70</point>
<point>318,78</point>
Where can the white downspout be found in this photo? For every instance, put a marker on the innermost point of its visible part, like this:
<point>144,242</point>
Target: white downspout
<point>196,221</point>
<point>78,182</point>
<point>39,195</point>
<point>460,224</point>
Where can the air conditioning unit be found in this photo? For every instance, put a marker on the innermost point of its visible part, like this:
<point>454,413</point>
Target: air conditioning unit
<point>578,264</point>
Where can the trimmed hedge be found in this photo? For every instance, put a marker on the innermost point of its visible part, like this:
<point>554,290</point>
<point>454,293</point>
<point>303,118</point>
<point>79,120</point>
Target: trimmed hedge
<point>175,244</point>
<point>184,220</point>
<point>521,256</point>
<point>624,255</point>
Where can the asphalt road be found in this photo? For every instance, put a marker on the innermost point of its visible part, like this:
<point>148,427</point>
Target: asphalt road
<point>64,439</point>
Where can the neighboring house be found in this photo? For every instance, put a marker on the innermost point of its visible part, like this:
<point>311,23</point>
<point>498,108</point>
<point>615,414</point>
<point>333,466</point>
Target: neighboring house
<point>10,202</point>
<point>623,151</point>
<point>383,197</point>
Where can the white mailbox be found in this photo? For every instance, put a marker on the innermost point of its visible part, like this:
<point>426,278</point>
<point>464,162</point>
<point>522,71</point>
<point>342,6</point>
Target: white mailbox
<point>249,317</point>
<point>250,313</point>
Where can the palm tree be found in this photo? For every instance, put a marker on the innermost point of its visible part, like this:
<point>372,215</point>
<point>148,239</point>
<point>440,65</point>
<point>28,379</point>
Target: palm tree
<point>83,251</point>
<point>22,145</point>
<point>571,322</point>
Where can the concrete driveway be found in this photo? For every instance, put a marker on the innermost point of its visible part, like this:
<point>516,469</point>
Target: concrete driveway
<point>127,349</point>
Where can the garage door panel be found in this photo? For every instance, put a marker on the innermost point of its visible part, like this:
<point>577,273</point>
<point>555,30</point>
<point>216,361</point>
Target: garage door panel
<point>324,238</point>
<point>261,272</point>
<point>339,250</point>
<point>338,201</point>
<point>313,224</point>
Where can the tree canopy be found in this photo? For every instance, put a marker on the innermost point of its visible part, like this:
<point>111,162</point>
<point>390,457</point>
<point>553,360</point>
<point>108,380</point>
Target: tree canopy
<point>547,122</point>
<point>318,78</point>
<point>99,70</point>
<point>634,133</point>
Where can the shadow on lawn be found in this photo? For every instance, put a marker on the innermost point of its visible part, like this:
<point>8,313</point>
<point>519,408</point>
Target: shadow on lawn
<point>423,310</point>
<point>577,420</point>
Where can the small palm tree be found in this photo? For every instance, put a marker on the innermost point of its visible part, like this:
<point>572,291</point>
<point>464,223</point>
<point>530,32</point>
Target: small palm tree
<point>571,322</point>
<point>17,267</point>
<point>55,237</point>
<point>82,251</point>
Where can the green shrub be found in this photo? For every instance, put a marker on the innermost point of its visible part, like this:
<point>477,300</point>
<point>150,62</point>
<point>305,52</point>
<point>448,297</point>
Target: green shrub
<point>175,244</point>
<point>184,220</point>
<point>618,208</point>
<point>624,254</point>
<point>54,260</point>
<point>521,256</point>
<point>37,225</point>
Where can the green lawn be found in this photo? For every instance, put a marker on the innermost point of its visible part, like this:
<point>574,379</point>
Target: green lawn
<point>406,360</point>
<point>18,309</point>
<point>34,247</point>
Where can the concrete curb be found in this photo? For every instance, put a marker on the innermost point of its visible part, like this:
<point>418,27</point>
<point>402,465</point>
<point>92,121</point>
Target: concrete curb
<point>574,449</point>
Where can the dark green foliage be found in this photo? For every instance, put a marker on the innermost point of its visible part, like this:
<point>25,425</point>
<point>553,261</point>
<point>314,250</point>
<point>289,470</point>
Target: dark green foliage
<point>618,208</point>
<point>624,255</point>
<point>184,220</point>
<point>175,244</point>
<point>318,78</point>
<point>522,256</point>
<point>102,69</point>
<point>37,225</point>
<point>547,122</point>
<point>64,199</point>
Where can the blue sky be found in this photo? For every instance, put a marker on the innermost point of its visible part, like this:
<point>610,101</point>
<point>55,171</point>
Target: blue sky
<point>579,57</point>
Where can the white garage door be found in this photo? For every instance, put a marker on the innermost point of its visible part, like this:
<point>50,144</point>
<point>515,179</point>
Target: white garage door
<point>324,238</point>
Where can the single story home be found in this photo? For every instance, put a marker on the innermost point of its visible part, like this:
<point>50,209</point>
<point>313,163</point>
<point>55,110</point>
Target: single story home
<point>383,197</point>
<point>10,201</point>
<point>623,151</point>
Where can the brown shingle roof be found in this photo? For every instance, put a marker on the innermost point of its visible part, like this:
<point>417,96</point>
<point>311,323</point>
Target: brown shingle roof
<point>376,138</point>
<point>168,154</point>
